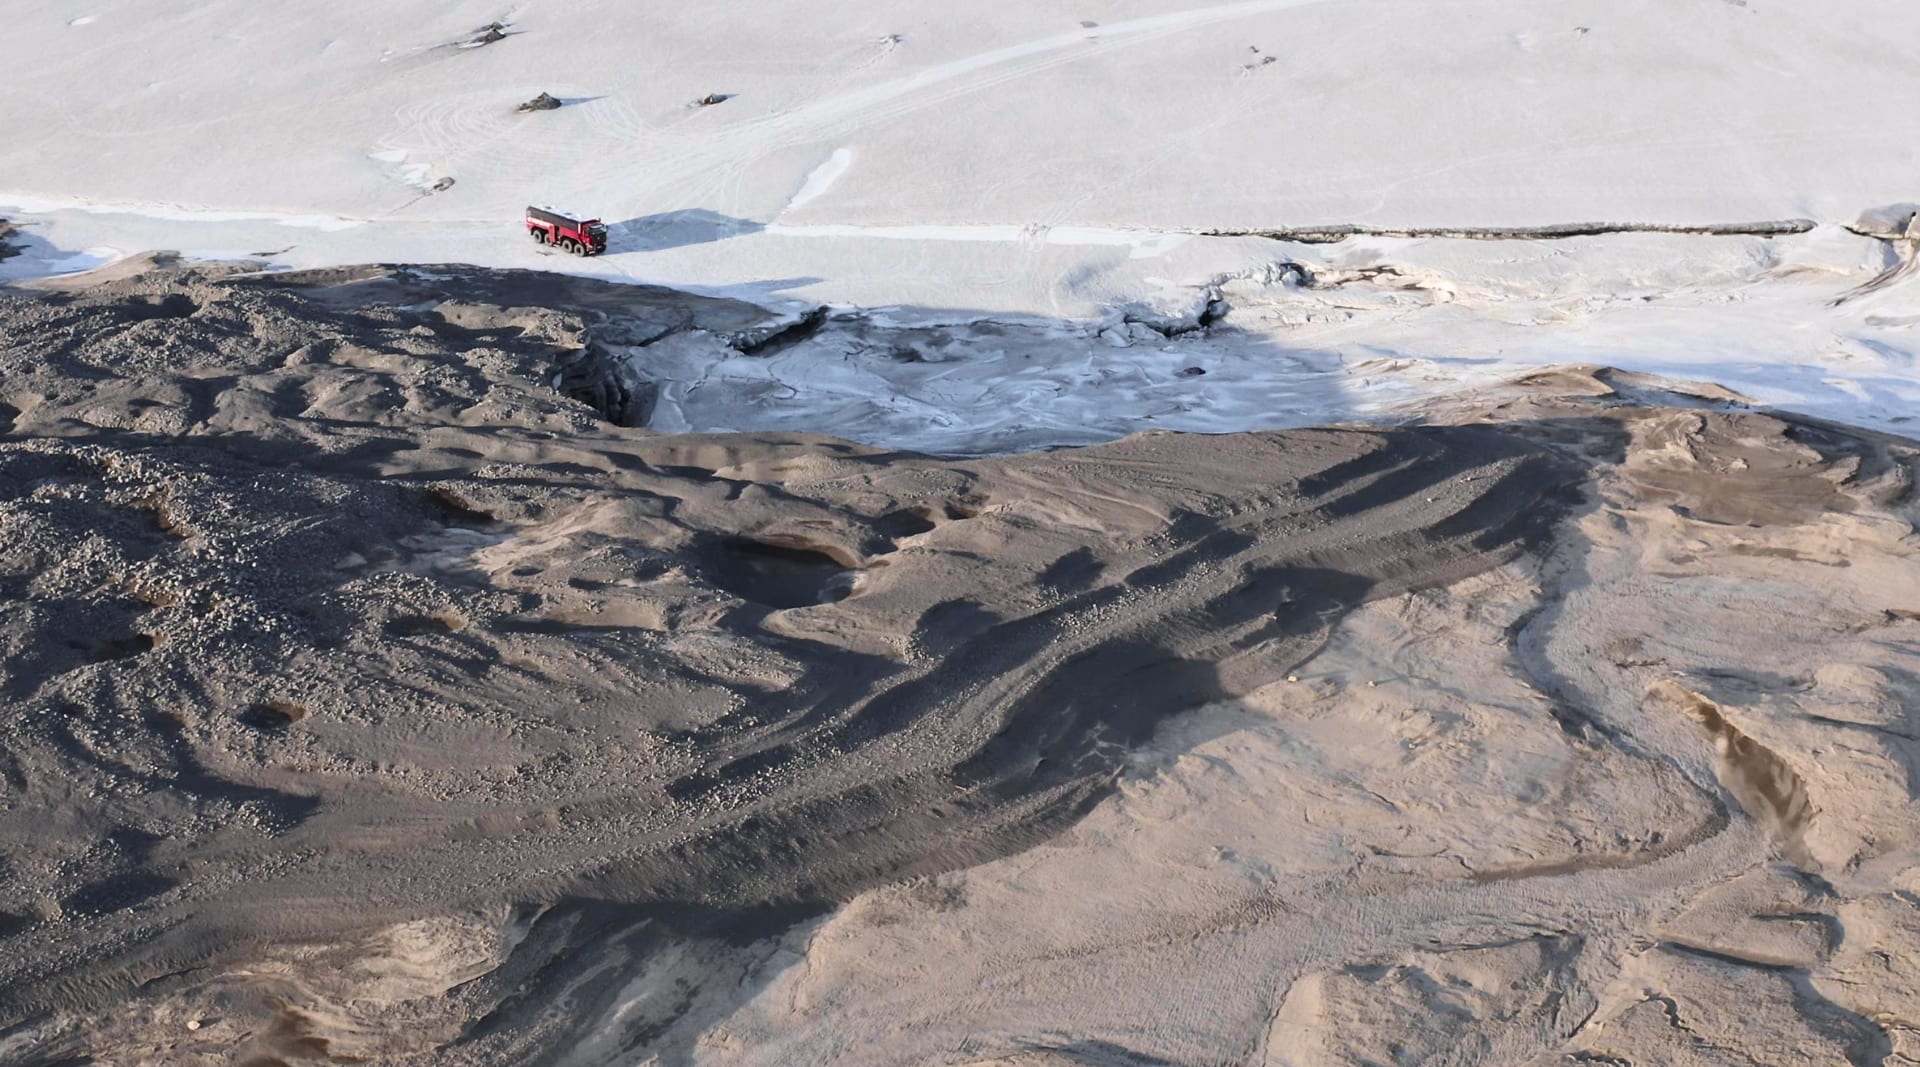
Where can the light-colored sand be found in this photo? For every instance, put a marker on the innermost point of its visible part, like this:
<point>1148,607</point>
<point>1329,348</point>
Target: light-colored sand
<point>1487,823</point>
<point>373,699</point>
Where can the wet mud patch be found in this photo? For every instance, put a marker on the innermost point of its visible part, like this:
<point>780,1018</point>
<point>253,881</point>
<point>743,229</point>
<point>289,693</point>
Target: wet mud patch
<point>773,337</point>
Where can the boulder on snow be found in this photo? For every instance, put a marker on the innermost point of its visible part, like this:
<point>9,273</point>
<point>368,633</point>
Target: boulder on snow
<point>543,102</point>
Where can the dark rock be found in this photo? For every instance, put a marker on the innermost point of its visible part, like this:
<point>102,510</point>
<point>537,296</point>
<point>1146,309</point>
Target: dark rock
<point>1890,223</point>
<point>543,102</point>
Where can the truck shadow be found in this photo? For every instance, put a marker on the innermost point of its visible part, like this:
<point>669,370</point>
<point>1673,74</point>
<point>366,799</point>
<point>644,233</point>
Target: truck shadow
<point>678,229</point>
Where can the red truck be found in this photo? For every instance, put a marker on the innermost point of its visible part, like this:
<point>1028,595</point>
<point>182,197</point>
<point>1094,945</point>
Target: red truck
<point>582,237</point>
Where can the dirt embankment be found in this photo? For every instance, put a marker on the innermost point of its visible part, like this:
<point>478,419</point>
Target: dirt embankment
<point>371,697</point>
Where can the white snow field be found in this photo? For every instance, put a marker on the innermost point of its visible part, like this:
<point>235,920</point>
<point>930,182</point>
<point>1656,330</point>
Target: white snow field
<point>1026,177</point>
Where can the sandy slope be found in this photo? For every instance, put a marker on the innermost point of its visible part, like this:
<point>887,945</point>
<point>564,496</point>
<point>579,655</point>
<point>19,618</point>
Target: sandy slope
<point>375,700</point>
<point>1482,825</point>
<point>383,686</point>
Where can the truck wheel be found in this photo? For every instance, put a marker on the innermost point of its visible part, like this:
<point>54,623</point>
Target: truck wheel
<point>539,236</point>
<point>570,246</point>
